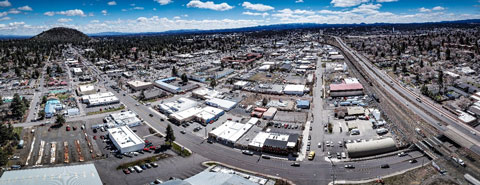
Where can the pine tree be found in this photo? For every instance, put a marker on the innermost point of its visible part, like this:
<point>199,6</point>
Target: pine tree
<point>170,137</point>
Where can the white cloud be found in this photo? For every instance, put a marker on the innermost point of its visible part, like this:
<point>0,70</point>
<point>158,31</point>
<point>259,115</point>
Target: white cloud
<point>299,1</point>
<point>5,3</point>
<point>25,8</point>
<point>49,13</point>
<point>347,3</point>
<point>367,9</point>
<point>264,14</point>
<point>14,11</point>
<point>112,3</point>
<point>104,12</point>
<point>5,18</point>
<point>138,8</point>
<point>124,10</point>
<point>209,5</point>
<point>386,1</point>
<point>75,12</point>
<point>438,8</point>
<point>423,9</point>
<point>257,7</point>
<point>163,2</point>
<point>64,20</point>
<point>176,17</point>
<point>3,14</point>
<point>94,21</point>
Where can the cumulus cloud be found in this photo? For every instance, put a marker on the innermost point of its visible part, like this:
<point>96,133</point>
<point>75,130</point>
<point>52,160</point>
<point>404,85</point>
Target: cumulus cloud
<point>264,14</point>
<point>209,5</point>
<point>104,12</point>
<point>5,18</point>
<point>75,12</point>
<point>112,3</point>
<point>64,20</point>
<point>138,8</point>
<point>347,3</point>
<point>163,2</point>
<point>386,1</point>
<point>94,21</point>
<point>25,8</point>
<point>438,8</point>
<point>423,9</point>
<point>3,14</point>
<point>257,7</point>
<point>299,1</point>
<point>5,3</point>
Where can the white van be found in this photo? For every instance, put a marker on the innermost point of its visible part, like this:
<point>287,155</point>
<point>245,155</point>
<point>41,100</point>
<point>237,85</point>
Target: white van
<point>138,169</point>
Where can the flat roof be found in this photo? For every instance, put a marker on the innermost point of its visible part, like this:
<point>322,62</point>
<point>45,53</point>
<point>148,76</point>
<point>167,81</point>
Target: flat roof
<point>137,83</point>
<point>346,87</point>
<point>84,88</point>
<point>296,88</point>
<point>124,136</point>
<point>63,175</point>
<point>231,131</point>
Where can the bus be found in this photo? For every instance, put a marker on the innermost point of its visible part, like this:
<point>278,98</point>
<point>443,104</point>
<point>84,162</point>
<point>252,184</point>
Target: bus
<point>311,155</point>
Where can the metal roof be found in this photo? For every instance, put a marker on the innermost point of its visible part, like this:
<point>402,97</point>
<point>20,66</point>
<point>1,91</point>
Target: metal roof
<point>368,148</point>
<point>64,175</point>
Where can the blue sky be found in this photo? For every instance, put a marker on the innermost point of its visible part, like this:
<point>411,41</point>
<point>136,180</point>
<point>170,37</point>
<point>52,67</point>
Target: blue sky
<point>24,17</point>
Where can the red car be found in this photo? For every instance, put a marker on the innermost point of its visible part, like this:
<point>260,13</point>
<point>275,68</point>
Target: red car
<point>229,119</point>
<point>146,150</point>
<point>94,137</point>
<point>68,128</point>
<point>126,171</point>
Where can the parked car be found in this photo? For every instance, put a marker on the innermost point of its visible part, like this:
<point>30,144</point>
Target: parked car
<point>266,157</point>
<point>296,164</point>
<point>148,165</point>
<point>349,166</point>
<point>247,152</point>
<point>385,166</point>
<point>154,165</point>
<point>126,171</point>
<point>183,132</point>
<point>143,167</point>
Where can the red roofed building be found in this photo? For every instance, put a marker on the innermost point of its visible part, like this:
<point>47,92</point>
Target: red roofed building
<point>342,90</point>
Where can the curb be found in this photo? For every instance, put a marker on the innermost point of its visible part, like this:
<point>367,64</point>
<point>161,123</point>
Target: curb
<point>248,171</point>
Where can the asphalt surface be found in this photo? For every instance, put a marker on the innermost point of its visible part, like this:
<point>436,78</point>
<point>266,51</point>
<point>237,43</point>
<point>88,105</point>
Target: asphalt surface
<point>396,89</point>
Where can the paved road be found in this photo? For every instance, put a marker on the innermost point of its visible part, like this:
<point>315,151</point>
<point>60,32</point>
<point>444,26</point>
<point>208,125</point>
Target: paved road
<point>394,88</point>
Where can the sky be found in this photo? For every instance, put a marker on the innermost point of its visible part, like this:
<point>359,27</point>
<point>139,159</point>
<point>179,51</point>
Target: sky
<point>30,17</point>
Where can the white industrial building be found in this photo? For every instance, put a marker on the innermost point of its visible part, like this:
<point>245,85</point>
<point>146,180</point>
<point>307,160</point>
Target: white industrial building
<point>229,132</point>
<point>100,99</point>
<point>125,139</point>
<point>177,105</point>
<point>128,118</point>
<point>264,68</point>
<point>221,103</point>
<point>185,115</point>
<point>203,115</point>
<point>86,90</point>
<point>270,113</point>
<point>139,85</point>
<point>294,89</point>
<point>369,148</point>
<point>77,71</point>
<point>205,93</point>
<point>209,115</point>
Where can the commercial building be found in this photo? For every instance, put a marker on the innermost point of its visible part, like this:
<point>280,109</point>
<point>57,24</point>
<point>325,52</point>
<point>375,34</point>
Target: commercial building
<point>100,99</point>
<point>343,90</point>
<point>62,175</point>
<point>165,85</point>
<point>128,118</point>
<point>177,105</point>
<point>270,113</point>
<point>205,93</point>
<point>221,103</point>
<point>86,90</point>
<point>229,132</point>
<point>355,111</point>
<point>369,148</point>
<point>139,85</point>
<point>125,139</point>
<point>153,93</point>
<point>51,107</point>
<point>185,115</point>
<point>294,89</point>
<point>278,143</point>
<point>77,71</point>
<point>209,115</point>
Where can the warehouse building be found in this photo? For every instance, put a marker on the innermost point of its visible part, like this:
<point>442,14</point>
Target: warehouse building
<point>270,113</point>
<point>205,93</point>
<point>51,107</point>
<point>355,111</point>
<point>125,139</point>
<point>303,104</point>
<point>164,84</point>
<point>229,132</point>
<point>185,115</point>
<point>61,175</point>
<point>139,85</point>
<point>209,115</point>
<point>294,89</point>
<point>86,90</point>
<point>369,148</point>
<point>344,90</point>
<point>177,105</point>
<point>221,103</point>
<point>77,71</point>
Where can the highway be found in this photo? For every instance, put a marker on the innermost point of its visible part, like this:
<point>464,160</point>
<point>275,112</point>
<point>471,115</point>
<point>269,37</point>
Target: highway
<point>426,109</point>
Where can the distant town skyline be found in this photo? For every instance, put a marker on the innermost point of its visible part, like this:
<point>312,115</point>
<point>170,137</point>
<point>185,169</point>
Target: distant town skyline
<point>94,16</point>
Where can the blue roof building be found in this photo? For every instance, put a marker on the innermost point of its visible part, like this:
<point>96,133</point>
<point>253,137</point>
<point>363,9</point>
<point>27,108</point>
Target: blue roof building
<point>303,104</point>
<point>51,107</point>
